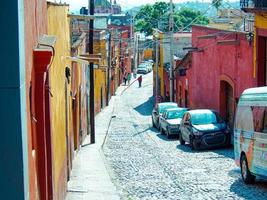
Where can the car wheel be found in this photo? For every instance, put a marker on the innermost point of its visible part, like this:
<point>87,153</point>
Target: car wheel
<point>247,177</point>
<point>167,133</point>
<point>153,123</point>
<point>161,130</point>
<point>182,142</point>
<point>193,144</point>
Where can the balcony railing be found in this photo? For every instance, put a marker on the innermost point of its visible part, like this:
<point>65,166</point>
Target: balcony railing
<point>253,4</point>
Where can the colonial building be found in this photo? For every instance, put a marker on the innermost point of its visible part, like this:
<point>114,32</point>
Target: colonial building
<point>259,36</point>
<point>104,6</point>
<point>218,68</point>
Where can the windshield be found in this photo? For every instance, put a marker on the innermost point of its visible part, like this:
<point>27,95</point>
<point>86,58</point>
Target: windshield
<point>163,108</point>
<point>206,118</point>
<point>176,114</point>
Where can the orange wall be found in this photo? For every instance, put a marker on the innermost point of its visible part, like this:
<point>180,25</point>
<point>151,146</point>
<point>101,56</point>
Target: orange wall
<point>58,25</point>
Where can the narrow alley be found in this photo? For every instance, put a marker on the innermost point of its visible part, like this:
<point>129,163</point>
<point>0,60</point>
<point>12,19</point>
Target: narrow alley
<point>145,165</point>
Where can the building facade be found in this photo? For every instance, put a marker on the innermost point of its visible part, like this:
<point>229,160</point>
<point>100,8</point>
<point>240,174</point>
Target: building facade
<point>216,71</point>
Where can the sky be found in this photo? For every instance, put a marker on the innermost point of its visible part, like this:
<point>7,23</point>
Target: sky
<point>126,4</point>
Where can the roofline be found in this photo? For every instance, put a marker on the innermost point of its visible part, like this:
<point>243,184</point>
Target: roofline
<point>57,4</point>
<point>217,29</point>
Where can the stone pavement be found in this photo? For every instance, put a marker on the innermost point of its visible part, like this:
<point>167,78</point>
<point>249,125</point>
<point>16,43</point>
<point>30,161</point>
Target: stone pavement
<point>90,179</point>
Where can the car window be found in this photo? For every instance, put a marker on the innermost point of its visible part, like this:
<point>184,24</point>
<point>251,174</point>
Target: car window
<point>176,114</point>
<point>206,118</point>
<point>163,108</point>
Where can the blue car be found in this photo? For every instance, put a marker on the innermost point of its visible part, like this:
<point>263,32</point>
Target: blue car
<point>204,128</point>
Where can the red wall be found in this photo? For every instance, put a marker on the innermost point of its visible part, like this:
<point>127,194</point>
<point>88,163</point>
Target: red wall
<point>233,63</point>
<point>35,26</point>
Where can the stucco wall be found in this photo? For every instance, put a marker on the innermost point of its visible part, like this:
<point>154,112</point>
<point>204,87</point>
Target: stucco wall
<point>217,62</point>
<point>35,26</point>
<point>100,75</point>
<point>260,22</point>
<point>58,25</point>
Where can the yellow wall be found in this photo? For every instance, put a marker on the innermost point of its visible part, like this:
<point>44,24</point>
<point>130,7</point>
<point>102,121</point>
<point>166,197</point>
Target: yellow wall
<point>100,74</point>
<point>58,25</point>
<point>148,54</point>
<point>260,22</point>
<point>160,68</point>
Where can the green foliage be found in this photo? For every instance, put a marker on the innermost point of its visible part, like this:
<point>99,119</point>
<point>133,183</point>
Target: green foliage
<point>217,3</point>
<point>157,16</point>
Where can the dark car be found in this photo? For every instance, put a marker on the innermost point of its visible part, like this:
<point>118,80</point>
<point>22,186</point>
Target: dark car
<point>159,109</point>
<point>204,128</point>
<point>169,122</point>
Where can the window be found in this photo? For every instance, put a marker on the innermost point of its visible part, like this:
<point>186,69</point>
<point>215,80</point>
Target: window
<point>260,118</point>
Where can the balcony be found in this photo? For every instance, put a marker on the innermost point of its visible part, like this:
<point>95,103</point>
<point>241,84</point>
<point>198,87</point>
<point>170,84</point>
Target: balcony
<point>253,5</point>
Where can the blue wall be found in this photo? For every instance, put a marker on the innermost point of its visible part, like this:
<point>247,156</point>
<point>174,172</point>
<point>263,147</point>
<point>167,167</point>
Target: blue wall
<point>13,127</point>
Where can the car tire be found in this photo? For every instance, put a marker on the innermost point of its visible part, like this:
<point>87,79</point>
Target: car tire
<point>193,144</point>
<point>247,177</point>
<point>182,142</point>
<point>161,130</point>
<point>167,134</point>
<point>153,124</point>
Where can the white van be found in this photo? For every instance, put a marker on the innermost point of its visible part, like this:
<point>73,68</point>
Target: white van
<point>250,134</point>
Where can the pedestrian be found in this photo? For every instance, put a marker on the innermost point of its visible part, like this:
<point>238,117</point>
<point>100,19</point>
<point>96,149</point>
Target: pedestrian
<point>167,96</point>
<point>129,77</point>
<point>140,80</point>
<point>125,79</point>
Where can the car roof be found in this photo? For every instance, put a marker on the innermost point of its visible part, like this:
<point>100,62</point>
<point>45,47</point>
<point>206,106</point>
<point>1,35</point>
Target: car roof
<point>258,90</point>
<point>199,111</point>
<point>167,103</point>
<point>177,109</point>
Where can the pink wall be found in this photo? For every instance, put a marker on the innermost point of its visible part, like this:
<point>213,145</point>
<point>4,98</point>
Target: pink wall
<point>233,63</point>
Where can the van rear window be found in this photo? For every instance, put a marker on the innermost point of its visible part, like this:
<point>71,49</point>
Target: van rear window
<point>259,118</point>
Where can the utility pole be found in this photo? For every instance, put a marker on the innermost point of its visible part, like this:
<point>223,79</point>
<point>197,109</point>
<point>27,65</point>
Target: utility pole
<point>171,51</point>
<point>157,69</point>
<point>91,69</point>
<point>136,52</point>
<point>109,68</point>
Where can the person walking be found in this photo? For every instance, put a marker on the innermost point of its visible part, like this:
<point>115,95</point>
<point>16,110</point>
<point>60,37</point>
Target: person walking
<point>129,77</point>
<point>125,79</point>
<point>140,80</point>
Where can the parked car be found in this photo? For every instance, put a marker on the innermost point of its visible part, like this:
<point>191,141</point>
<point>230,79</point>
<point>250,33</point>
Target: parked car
<point>159,109</point>
<point>250,134</point>
<point>149,65</point>
<point>204,128</point>
<point>142,69</point>
<point>170,120</point>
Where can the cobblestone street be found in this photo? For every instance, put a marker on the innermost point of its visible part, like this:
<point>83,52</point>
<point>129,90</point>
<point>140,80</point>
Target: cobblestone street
<point>146,165</point>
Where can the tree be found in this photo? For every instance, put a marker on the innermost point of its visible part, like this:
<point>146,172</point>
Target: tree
<point>217,4</point>
<point>150,16</point>
<point>185,18</point>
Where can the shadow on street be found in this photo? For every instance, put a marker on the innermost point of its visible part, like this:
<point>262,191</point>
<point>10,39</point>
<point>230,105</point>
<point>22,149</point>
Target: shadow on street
<point>164,137</point>
<point>145,108</point>
<point>249,191</point>
<point>222,152</point>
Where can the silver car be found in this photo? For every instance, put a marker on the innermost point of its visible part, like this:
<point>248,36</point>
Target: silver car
<point>169,122</point>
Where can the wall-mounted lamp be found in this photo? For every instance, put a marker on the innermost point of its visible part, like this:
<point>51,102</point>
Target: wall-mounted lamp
<point>250,37</point>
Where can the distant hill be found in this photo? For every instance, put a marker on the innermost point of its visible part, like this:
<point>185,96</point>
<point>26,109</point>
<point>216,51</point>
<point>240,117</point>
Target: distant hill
<point>200,6</point>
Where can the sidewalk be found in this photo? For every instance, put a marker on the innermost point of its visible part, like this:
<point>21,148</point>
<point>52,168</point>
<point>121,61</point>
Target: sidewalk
<point>90,179</point>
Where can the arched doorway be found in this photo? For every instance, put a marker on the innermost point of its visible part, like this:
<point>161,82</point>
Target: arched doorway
<point>227,103</point>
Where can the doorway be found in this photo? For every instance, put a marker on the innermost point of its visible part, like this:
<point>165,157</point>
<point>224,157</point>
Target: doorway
<point>227,103</point>
<point>262,61</point>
